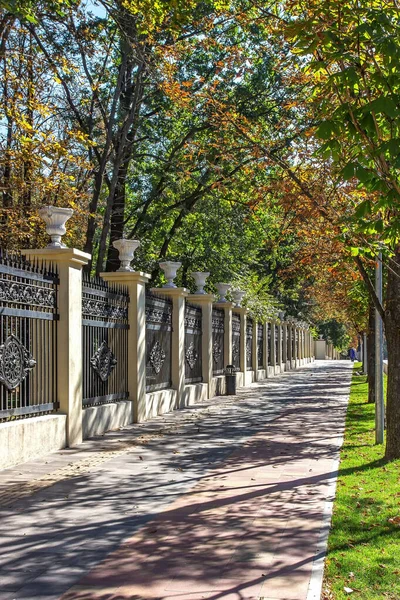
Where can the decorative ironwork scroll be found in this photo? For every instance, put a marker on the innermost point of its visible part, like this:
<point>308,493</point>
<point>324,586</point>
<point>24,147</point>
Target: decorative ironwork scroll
<point>191,356</point>
<point>157,357</point>
<point>101,309</point>
<point>217,352</point>
<point>15,362</point>
<point>103,361</point>
<point>24,293</point>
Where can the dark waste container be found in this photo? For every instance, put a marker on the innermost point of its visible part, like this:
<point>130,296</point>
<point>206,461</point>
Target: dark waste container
<point>230,380</point>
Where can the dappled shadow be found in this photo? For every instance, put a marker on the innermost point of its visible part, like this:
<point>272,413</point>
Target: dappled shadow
<point>228,494</point>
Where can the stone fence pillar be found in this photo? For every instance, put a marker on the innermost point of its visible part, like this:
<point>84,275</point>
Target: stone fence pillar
<point>136,284</point>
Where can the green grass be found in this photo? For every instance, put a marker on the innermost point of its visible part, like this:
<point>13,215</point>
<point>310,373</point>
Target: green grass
<point>364,546</point>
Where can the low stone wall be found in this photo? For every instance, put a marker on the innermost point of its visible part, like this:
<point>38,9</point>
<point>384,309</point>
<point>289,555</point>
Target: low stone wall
<point>158,403</point>
<point>249,377</point>
<point>261,374</point>
<point>25,439</point>
<point>96,420</point>
<point>217,386</point>
<point>194,393</point>
<point>239,379</point>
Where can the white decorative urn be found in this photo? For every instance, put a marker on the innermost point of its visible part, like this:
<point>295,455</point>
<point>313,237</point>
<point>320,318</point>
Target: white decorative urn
<point>126,249</point>
<point>237,296</point>
<point>55,219</point>
<point>200,280</point>
<point>170,269</point>
<point>222,289</point>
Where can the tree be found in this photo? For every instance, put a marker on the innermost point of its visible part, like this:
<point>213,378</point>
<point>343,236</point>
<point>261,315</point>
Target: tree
<point>352,58</point>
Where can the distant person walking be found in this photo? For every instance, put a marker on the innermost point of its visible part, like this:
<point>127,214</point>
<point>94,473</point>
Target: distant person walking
<point>353,354</point>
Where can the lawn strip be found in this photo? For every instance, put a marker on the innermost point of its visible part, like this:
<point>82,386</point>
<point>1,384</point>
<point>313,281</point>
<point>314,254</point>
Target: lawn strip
<point>364,545</point>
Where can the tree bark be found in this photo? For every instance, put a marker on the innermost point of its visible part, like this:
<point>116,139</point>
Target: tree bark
<point>392,330</point>
<point>117,217</point>
<point>371,353</point>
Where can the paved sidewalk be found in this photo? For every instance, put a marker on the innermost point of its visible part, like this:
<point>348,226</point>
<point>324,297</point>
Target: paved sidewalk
<point>226,500</point>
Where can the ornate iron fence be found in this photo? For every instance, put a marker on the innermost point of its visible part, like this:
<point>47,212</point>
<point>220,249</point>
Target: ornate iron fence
<point>28,338</point>
<point>269,361</point>
<point>236,341</point>
<point>287,343</point>
<point>276,344</point>
<point>249,344</point>
<point>260,345</point>
<point>218,329</point>
<point>193,341</point>
<point>158,342</point>
<point>104,341</point>
<point>294,343</point>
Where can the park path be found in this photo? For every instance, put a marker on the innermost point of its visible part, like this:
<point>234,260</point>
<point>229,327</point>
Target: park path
<point>227,500</point>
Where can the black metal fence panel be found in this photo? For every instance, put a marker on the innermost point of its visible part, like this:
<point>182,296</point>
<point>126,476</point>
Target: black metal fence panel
<point>158,342</point>
<point>269,345</point>
<point>276,344</point>
<point>104,341</point>
<point>193,344</point>
<point>294,344</point>
<point>218,329</point>
<point>249,344</point>
<point>260,345</point>
<point>236,341</point>
<point>28,337</point>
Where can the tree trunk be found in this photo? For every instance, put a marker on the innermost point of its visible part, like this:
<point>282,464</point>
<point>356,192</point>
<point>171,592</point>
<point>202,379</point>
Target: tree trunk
<point>392,330</point>
<point>117,218</point>
<point>371,353</point>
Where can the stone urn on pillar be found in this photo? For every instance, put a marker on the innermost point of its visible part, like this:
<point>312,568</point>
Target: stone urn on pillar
<point>222,289</point>
<point>170,269</point>
<point>126,249</point>
<point>237,296</point>
<point>55,219</point>
<point>200,280</point>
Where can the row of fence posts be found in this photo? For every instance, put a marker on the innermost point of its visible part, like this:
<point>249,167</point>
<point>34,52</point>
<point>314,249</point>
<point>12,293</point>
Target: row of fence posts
<point>284,345</point>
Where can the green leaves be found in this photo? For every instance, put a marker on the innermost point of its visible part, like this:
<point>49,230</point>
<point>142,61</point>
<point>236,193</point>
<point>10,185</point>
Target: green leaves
<point>327,129</point>
<point>363,209</point>
<point>384,104</point>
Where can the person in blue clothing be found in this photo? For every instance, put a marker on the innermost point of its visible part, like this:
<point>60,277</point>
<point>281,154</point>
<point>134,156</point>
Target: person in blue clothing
<point>353,354</point>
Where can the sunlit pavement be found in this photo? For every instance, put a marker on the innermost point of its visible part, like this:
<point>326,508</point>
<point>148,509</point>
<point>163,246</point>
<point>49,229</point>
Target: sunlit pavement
<point>226,500</point>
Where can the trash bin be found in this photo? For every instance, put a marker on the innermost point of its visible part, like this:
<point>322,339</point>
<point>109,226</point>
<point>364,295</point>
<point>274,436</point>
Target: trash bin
<point>230,380</point>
